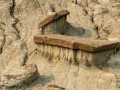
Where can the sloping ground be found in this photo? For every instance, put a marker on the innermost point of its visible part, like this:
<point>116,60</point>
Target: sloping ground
<point>19,21</point>
<point>72,77</point>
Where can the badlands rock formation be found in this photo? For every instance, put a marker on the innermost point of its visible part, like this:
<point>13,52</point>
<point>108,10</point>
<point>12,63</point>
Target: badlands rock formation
<point>19,76</point>
<point>54,23</point>
<point>75,50</point>
<point>19,19</point>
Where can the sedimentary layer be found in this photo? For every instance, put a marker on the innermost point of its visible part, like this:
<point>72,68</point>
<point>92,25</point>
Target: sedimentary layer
<point>97,59</point>
<point>53,17</point>
<point>76,42</point>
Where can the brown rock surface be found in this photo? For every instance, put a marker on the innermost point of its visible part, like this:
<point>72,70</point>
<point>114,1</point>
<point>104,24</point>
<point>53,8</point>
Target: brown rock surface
<point>19,21</point>
<point>76,42</point>
<point>19,76</point>
<point>53,18</point>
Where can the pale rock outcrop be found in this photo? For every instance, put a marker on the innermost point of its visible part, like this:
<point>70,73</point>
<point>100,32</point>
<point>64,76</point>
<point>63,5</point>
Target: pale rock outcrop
<point>13,56</point>
<point>7,22</point>
<point>74,77</point>
<point>18,76</point>
<point>22,11</point>
<point>82,21</point>
<point>116,9</point>
<point>55,24</point>
<point>106,18</point>
<point>20,19</point>
<point>105,1</point>
<point>2,40</point>
<point>26,12</point>
<point>75,50</point>
<point>113,67</point>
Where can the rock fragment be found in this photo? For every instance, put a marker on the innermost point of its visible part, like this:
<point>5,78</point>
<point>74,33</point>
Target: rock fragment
<point>19,76</point>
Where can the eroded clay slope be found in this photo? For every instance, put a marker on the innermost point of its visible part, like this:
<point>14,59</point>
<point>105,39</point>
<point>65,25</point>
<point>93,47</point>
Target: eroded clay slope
<point>19,21</point>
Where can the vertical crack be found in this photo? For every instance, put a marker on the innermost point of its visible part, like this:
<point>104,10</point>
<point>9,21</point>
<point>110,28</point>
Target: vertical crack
<point>96,27</point>
<point>118,80</point>
<point>12,13</point>
<point>4,37</point>
<point>68,75</point>
<point>74,1</point>
<point>97,31</point>
<point>98,81</point>
<point>12,8</point>
<point>76,80</point>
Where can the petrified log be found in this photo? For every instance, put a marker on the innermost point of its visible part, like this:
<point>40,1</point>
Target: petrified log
<point>76,42</point>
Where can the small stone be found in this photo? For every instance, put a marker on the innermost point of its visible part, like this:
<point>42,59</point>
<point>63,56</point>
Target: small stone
<point>19,76</point>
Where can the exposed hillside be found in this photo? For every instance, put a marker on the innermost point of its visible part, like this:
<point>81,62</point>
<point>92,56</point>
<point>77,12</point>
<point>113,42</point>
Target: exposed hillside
<point>19,19</point>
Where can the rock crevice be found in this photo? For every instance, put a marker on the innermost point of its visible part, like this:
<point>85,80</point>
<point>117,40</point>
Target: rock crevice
<point>12,9</point>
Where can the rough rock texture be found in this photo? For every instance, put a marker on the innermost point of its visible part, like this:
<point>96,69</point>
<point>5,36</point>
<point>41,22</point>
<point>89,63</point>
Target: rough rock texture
<point>97,59</point>
<point>56,27</point>
<point>56,24</point>
<point>73,77</point>
<point>53,18</point>
<point>18,76</point>
<point>13,57</point>
<point>1,40</point>
<point>107,19</point>
<point>76,43</point>
<point>95,19</point>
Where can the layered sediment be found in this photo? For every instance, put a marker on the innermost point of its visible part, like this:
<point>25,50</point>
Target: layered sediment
<point>75,49</point>
<point>96,19</point>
